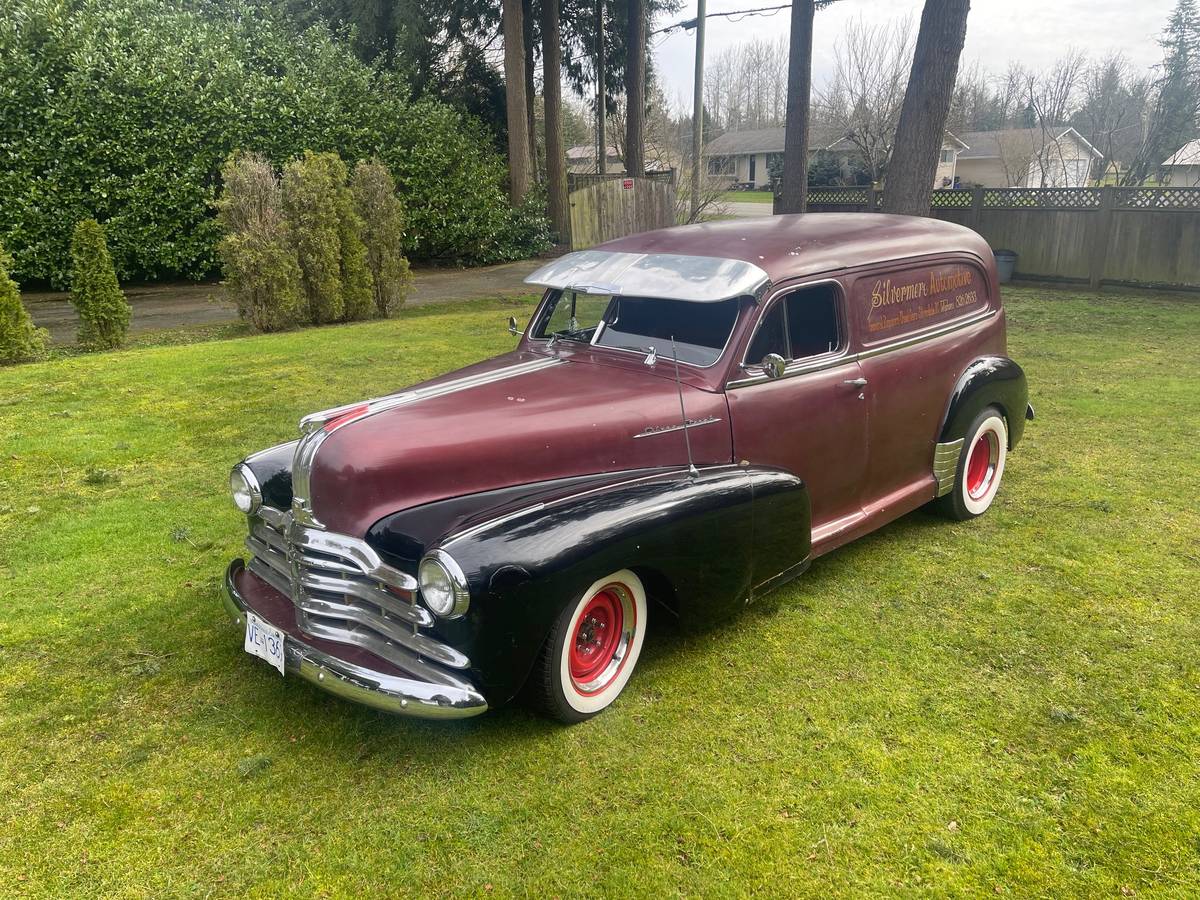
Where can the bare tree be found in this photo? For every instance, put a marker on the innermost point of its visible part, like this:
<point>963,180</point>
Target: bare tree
<point>863,98</point>
<point>519,163</point>
<point>922,127</point>
<point>556,153</point>
<point>745,86</point>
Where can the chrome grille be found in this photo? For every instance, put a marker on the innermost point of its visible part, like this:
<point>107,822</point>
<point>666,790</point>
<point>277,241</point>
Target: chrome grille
<point>343,591</point>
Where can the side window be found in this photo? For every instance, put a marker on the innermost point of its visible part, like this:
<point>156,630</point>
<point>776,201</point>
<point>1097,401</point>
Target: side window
<point>771,337</point>
<point>803,323</point>
<point>813,321</point>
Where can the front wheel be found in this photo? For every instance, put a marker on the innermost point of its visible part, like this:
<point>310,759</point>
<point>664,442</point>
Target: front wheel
<point>980,467</point>
<point>592,649</point>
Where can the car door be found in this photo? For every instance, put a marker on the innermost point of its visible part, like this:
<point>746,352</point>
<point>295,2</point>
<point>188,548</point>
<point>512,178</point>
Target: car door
<point>812,420</point>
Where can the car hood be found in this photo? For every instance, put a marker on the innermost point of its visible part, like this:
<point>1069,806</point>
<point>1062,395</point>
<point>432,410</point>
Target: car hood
<point>517,419</point>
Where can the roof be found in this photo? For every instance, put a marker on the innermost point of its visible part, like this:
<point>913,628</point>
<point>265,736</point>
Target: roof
<point>766,140</point>
<point>1187,155</point>
<point>1018,141</point>
<point>770,140</point>
<point>790,246</point>
<point>588,151</point>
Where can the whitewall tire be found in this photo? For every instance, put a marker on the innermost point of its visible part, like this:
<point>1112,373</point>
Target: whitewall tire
<point>980,466</point>
<point>592,649</point>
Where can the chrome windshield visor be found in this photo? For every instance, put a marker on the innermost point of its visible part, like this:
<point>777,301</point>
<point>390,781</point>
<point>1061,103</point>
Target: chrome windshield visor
<point>669,276</point>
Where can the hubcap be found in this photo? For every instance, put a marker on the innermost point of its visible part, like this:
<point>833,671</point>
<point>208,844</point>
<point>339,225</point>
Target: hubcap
<point>601,639</point>
<point>981,465</point>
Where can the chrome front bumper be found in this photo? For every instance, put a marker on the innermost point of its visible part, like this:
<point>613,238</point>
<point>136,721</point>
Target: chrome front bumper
<point>391,693</point>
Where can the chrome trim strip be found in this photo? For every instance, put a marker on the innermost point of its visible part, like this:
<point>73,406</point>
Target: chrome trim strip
<point>945,465</point>
<point>666,276</point>
<point>405,696</point>
<point>318,426</point>
<point>804,368</point>
<point>652,430</point>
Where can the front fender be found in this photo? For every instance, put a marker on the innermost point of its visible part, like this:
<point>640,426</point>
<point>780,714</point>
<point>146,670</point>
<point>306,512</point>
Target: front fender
<point>988,381</point>
<point>696,534</point>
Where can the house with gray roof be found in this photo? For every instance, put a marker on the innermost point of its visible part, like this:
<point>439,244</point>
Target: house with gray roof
<point>744,155</point>
<point>1027,157</point>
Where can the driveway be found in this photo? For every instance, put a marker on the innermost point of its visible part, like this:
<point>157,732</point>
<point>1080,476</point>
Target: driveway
<point>749,210</point>
<point>160,306</point>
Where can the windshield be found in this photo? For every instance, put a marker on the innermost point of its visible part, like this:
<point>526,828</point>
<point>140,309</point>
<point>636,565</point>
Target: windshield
<point>700,330</point>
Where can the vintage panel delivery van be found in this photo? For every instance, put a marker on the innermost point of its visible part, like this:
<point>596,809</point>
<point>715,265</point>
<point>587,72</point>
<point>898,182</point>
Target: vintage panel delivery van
<point>691,416</point>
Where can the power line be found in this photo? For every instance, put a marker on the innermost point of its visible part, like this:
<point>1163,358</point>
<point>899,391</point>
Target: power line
<point>689,24</point>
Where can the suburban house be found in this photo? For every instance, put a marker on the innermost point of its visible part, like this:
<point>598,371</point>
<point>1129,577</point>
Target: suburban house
<point>1026,157</point>
<point>1183,168</point>
<point>744,155</point>
<point>581,159</point>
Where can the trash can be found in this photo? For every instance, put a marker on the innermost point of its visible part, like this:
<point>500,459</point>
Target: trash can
<point>1006,262</point>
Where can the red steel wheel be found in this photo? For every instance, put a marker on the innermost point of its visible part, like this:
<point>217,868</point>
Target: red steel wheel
<point>592,648</point>
<point>980,466</point>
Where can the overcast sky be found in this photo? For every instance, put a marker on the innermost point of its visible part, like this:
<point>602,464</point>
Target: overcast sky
<point>1035,32</point>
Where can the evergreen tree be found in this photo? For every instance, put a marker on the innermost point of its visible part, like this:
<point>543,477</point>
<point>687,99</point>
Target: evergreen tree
<point>19,339</point>
<point>315,221</point>
<point>1176,112</point>
<point>382,215</point>
<point>103,310</point>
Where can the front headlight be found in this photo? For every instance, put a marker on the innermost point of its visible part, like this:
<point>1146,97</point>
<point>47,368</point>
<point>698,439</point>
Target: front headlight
<point>247,494</point>
<point>443,585</point>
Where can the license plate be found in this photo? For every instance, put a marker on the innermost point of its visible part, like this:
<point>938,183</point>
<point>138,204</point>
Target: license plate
<point>264,641</point>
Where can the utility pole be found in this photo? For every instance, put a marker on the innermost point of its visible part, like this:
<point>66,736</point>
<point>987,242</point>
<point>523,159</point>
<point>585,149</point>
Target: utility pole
<point>601,110</point>
<point>698,112</point>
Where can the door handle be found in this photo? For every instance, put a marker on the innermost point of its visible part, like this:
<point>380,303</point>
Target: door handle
<point>856,382</point>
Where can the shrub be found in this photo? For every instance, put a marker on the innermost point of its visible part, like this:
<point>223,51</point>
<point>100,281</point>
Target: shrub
<point>19,339</point>
<point>261,272</point>
<point>103,309</point>
<point>310,186</point>
<point>125,110</point>
<point>358,287</point>
<point>382,215</point>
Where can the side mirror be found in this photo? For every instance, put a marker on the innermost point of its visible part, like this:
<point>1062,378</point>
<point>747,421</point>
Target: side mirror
<point>773,365</point>
<point>512,327</point>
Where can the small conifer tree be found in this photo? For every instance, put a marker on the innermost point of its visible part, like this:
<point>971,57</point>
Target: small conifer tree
<point>103,309</point>
<point>20,341</point>
<point>314,218</point>
<point>382,214</point>
<point>262,274</point>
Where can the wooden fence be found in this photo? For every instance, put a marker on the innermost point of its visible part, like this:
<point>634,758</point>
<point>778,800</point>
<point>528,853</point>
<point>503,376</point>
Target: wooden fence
<point>1137,236</point>
<point>614,207</point>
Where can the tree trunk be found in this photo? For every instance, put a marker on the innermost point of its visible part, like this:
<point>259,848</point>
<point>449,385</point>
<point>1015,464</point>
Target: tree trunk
<point>601,100</point>
<point>794,187</point>
<point>556,162</point>
<point>527,38</point>
<point>635,89</point>
<point>515,100</point>
<point>922,127</point>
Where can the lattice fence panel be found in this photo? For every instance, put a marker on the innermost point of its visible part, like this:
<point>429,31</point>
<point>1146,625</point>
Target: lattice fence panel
<point>1042,198</point>
<point>1181,198</point>
<point>950,200</point>
<point>838,196</point>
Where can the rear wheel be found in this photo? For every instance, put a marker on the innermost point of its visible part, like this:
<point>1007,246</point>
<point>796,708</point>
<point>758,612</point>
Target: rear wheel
<point>980,467</point>
<point>592,649</point>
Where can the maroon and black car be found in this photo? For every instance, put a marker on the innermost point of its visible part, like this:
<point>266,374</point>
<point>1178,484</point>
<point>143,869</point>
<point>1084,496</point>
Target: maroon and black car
<point>691,417</point>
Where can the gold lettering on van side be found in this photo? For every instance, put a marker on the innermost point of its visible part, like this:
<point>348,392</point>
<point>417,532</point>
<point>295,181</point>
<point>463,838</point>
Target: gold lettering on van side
<point>941,294</point>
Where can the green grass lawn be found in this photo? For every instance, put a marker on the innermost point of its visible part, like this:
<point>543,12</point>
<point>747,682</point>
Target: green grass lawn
<point>1008,705</point>
<point>748,196</point>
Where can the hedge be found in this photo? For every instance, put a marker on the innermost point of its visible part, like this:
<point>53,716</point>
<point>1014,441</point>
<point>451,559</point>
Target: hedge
<point>125,110</point>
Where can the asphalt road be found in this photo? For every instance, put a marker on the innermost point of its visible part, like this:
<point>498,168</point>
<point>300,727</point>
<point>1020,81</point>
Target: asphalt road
<point>749,210</point>
<point>178,304</point>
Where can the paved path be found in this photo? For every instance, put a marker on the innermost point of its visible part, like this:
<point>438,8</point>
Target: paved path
<point>749,210</point>
<point>174,305</point>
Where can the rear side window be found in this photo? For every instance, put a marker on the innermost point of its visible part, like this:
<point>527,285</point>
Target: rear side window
<point>902,301</point>
<point>801,324</point>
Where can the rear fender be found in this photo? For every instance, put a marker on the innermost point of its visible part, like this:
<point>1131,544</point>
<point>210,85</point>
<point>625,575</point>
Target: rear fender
<point>988,381</point>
